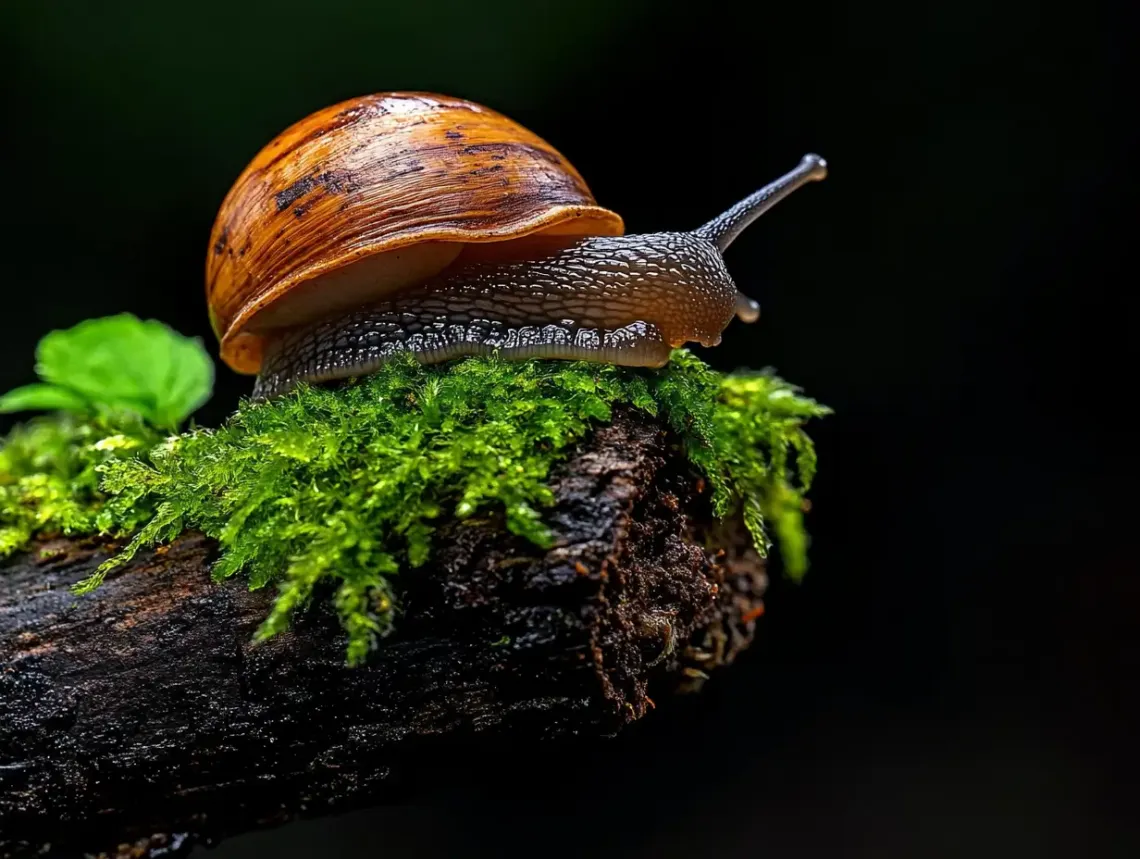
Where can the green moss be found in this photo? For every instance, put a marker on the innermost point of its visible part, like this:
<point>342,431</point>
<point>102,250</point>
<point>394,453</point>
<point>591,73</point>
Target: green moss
<point>49,476</point>
<point>345,485</point>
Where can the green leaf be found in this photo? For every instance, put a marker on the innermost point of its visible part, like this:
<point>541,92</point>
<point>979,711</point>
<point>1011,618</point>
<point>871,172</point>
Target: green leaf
<point>43,398</point>
<point>123,363</point>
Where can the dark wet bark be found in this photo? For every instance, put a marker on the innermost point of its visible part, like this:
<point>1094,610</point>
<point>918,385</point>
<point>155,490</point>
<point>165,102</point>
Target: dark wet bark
<point>142,715</point>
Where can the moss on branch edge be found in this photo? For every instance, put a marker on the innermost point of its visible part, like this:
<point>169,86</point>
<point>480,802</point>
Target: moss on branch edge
<point>345,484</point>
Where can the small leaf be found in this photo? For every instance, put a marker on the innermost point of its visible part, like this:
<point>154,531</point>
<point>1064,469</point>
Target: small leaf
<point>43,398</point>
<point>122,363</point>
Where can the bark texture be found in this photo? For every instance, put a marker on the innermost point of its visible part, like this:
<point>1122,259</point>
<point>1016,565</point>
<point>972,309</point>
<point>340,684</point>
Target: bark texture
<point>140,719</point>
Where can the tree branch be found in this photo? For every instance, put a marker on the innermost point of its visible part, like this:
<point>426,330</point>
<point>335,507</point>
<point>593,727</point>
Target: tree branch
<point>140,718</point>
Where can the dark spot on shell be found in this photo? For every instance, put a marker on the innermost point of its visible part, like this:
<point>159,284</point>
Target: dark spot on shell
<point>415,167</point>
<point>479,148</point>
<point>333,181</point>
<point>500,151</point>
<point>294,192</point>
<point>223,240</point>
<point>453,135</point>
<point>479,171</point>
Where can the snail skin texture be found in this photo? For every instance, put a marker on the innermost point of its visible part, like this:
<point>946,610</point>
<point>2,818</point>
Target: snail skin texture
<point>411,222</point>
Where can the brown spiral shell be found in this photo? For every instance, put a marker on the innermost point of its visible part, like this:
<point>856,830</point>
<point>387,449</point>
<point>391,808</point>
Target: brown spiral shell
<point>373,195</point>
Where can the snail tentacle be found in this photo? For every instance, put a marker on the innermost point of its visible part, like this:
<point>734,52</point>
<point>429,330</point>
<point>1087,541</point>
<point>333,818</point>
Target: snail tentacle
<point>725,227</point>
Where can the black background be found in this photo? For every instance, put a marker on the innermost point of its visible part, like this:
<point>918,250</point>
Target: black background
<point>955,677</point>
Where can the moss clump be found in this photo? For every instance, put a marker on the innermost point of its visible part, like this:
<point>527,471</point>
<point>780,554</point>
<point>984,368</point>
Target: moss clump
<point>49,476</point>
<point>345,484</point>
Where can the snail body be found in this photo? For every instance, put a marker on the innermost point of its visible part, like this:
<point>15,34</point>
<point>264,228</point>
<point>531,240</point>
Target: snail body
<point>614,299</point>
<point>419,240</point>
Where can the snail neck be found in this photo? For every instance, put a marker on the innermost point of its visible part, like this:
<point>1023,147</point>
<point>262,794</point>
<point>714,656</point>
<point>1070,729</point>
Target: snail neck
<point>723,229</point>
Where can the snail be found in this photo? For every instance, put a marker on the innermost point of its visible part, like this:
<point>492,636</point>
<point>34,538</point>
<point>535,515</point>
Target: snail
<point>422,223</point>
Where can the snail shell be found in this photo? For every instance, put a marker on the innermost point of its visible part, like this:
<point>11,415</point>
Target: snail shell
<point>370,195</point>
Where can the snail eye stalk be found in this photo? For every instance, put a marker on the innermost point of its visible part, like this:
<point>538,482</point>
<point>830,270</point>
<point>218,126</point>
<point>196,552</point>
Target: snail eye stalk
<point>724,228</point>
